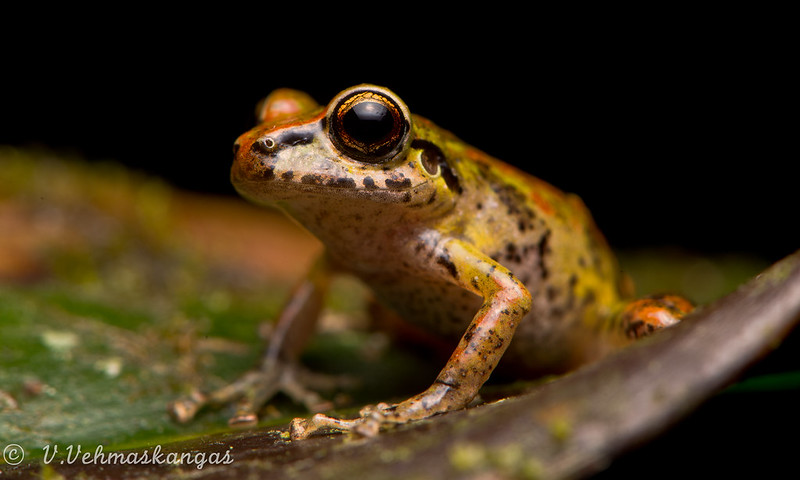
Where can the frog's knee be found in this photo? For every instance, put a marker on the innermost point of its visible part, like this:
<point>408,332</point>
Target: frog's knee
<point>644,316</point>
<point>516,295</point>
<point>522,298</point>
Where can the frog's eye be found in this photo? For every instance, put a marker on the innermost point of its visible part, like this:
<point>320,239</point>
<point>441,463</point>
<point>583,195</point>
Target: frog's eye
<point>369,125</point>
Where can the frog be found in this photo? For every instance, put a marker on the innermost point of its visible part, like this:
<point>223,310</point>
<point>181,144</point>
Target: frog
<point>508,271</point>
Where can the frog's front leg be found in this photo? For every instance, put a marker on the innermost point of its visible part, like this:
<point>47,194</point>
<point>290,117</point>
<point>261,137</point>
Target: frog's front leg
<point>279,369</point>
<point>506,301</point>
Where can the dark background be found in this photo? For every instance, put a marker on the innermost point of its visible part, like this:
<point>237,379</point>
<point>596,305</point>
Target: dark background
<point>679,133</point>
<point>670,138</point>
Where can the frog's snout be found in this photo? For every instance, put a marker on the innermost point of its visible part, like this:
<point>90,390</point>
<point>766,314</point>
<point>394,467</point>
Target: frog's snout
<point>250,159</point>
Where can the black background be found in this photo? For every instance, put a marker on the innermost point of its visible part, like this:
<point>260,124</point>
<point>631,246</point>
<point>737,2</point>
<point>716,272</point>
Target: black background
<point>669,139</point>
<point>680,132</point>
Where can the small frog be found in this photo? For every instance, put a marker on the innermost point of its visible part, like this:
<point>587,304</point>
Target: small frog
<point>459,244</point>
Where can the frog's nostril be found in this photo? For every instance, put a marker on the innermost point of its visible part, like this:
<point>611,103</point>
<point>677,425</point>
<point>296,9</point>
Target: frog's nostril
<point>264,146</point>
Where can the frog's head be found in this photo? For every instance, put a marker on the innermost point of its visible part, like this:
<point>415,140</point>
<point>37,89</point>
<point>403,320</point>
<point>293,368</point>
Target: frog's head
<point>362,149</point>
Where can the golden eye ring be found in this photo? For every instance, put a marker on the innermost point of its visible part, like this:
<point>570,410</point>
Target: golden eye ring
<point>369,124</point>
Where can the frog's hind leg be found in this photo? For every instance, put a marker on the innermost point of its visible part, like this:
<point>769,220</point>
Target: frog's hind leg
<point>279,369</point>
<point>647,315</point>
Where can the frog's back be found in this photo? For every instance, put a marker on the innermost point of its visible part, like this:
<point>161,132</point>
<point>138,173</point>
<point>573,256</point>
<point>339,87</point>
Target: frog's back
<point>562,258</point>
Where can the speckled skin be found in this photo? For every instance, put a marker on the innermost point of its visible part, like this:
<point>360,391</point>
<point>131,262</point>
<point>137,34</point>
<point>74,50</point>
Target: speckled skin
<point>455,241</point>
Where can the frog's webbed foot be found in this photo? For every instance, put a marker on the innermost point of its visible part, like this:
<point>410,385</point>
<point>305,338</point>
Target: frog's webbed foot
<point>647,315</point>
<point>256,387</point>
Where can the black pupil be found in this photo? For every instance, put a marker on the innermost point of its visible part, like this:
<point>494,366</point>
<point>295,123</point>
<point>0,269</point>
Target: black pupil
<point>368,122</point>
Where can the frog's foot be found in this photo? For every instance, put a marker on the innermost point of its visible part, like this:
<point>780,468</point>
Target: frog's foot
<point>647,315</point>
<point>256,387</point>
<point>439,398</point>
<point>368,423</point>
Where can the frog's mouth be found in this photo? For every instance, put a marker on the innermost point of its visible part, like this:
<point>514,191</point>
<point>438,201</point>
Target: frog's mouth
<point>274,186</point>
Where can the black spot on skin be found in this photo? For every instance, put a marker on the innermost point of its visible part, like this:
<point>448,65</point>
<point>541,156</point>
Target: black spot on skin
<point>398,184</point>
<point>492,268</point>
<point>311,179</point>
<point>479,206</point>
<point>369,183</point>
<point>468,336</point>
<point>522,225</point>
<point>544,249</point>
<point>512,254</point>
<point>444,260</point>
<point>513,199</point>
<point>269,173</point>
<point>475,284</point>
<point>406,197</point>
<point>433,198</point>
<point>342,182</point>
<point>287,175</point>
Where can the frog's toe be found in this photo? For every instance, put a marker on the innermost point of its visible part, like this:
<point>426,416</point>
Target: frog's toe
<point>185,409</point>
<point>647,315</point>
<point>302,428</point>
<point>367,424</point>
